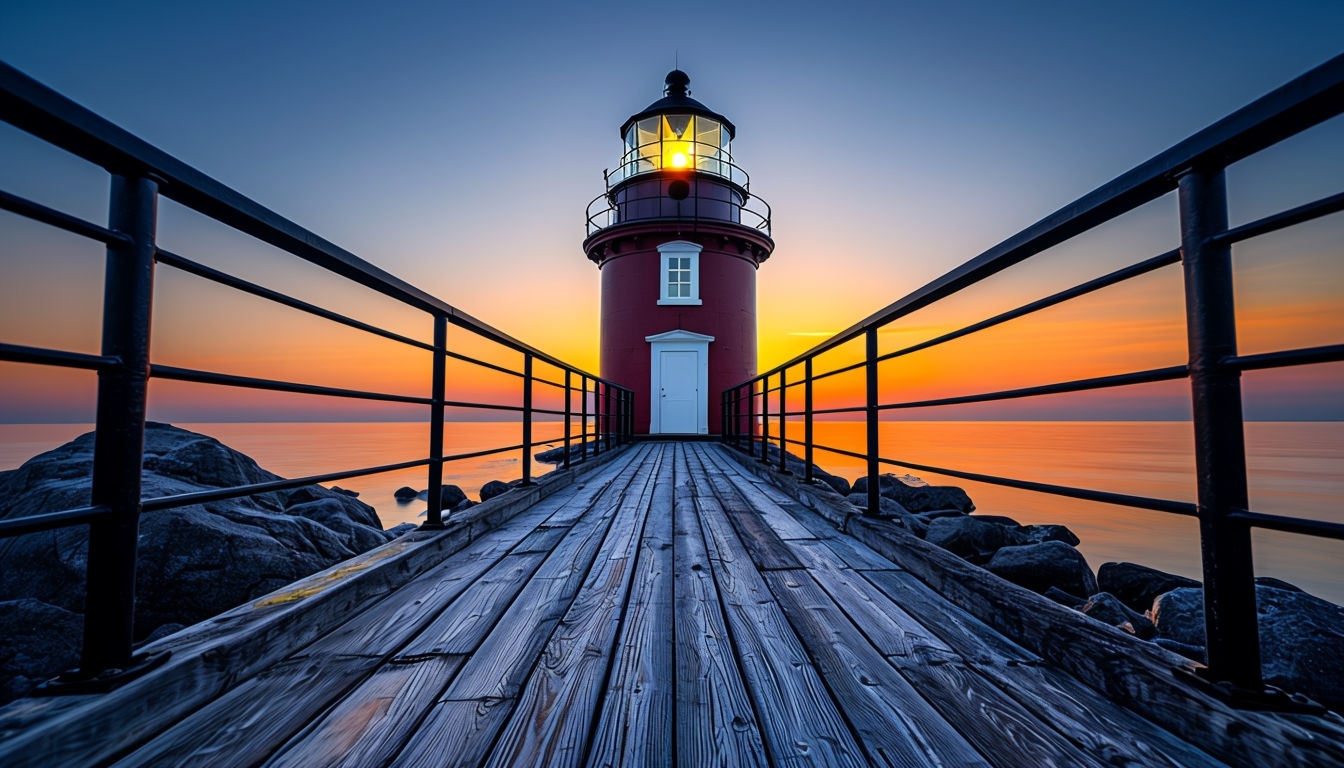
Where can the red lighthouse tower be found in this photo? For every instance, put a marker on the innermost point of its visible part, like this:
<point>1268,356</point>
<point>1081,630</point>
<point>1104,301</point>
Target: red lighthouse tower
<point>678,238</point>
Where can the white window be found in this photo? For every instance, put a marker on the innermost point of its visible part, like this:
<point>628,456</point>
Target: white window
<point>679,278</point>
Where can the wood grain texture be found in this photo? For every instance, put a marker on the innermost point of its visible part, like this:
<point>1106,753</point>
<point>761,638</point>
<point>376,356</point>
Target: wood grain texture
<point>799,721</point>
<point>552,720</point>
<point>894,723</point>
<point>370,725</point>
<point>635,725</point>
<point>251,721</point>
<point>716,721</point>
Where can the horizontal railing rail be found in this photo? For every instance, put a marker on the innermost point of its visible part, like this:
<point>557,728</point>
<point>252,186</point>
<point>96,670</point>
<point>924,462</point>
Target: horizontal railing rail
<point>758,416</point>
<point>595,414</point>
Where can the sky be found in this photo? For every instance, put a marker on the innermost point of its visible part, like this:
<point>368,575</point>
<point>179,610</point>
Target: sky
<point>457,147</point>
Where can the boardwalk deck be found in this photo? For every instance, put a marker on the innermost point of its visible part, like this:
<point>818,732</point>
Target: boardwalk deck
<point>667,608</point>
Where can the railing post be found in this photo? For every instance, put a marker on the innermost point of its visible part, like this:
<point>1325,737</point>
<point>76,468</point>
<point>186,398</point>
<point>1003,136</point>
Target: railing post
<point>765,420</point>
<point>751,419</point>
<point>783,421</point>
<point>583,383</point>
<point>870,415</point>
<point>1233,641</point>
<point>565,461</point>
<point>128,294</point>
<point>597,417</point>
<point>434,515</point>
<point>606,415</point>
<point>807,421</point>
<point>527,418</point>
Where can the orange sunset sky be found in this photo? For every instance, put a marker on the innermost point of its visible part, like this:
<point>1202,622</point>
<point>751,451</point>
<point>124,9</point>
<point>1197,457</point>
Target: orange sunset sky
<point>457,150</point>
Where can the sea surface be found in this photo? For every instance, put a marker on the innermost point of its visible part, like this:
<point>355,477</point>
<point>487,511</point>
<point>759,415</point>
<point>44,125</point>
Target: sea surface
<point>1295,468</point>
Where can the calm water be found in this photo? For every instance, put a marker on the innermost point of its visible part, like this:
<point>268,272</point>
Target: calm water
<point>1295,469</point>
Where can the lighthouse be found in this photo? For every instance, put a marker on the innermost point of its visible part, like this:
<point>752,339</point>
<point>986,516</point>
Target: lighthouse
<point>678,237</point>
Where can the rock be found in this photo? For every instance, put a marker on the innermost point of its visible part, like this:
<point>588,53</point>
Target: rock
<point>972,538</point>
<point>1041,566</point>
<point>194,561</point>
<point>463,505</point>
<point>918,498</point>
<point>839,484</point>
<point>999,520</point>
<point>406,493</point>
<point>161,632</point>
<point>450,496</point>
<point>1301,637</point>
<point>1035,534</point>
<point>345,491</point>
<point>1136,585</point>
<point>39,642</point>
<point>401,530</point>
<point>494,488</point>
<point>886,507</point>
<point>1108,609</point>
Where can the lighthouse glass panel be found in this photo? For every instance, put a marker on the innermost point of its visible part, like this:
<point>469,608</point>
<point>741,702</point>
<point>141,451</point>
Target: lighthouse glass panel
<point>675,142</point>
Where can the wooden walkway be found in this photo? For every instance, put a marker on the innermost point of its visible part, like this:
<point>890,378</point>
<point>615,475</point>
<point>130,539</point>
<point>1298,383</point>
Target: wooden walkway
<point>668,610</point>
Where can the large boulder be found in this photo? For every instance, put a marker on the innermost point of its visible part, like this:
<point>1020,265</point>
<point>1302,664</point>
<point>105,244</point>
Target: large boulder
<point>917,496</point>
<point>1136,585</point>
<point>1039,567</point>
<point>886,507</point>
<point>194,561</point>
<point>1301,637</point>
<point>1107,608</point>
<point>972,538</point>
<point>39,641</point>
<point>494,488</point>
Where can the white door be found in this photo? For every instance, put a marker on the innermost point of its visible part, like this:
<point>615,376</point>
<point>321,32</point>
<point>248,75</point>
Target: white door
<point>678,393</point>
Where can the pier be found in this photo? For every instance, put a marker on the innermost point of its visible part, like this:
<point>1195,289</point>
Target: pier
<point>664,607</point>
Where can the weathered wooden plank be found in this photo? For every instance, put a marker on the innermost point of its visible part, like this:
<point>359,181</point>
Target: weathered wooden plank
<point>990,719</point>
<point>1098,726</point>
<point>456,734</point>
<point>1088,649</point>
<point>552,721</point>
<point>383,629</point>
<point>635,725</point>
<point>716,721</point>
<point>763,544</point>
<point>479,700</point>
<point>894,723</point>
<point>766,500</point>
<point>251,721</point>
<point>888,626</point>
<point>799,720</point>
<point>971,638</point>
<point>369,727</point>
<point>461,628</point>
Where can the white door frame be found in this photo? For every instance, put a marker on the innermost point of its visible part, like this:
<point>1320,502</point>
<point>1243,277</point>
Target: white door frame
<point>679,341</point>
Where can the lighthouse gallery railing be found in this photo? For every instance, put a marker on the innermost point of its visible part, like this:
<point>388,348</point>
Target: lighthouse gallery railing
<point>140,174</point>
<point>757,412</point>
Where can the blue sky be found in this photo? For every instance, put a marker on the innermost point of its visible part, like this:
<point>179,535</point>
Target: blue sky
<point>457,146</point>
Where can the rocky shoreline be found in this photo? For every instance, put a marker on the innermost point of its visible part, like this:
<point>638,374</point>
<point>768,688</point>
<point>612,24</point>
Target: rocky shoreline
<point>195,562</point>
<point>1301,635</point>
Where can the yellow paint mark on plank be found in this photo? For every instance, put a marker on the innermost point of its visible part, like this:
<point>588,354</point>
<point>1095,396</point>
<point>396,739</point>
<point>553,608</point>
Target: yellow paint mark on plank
<point>317,584</point>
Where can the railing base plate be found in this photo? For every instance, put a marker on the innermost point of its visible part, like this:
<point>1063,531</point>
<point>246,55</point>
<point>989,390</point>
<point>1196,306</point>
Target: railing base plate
<point>1266,699</point>
<point>76,682</point>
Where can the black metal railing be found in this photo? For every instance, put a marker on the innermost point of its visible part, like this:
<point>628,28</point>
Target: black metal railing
<point>757,412</point>
<point>706,199</point>
<point>595,413</point>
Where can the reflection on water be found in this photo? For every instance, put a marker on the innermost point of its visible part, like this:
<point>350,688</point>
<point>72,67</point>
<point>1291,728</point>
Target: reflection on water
<point>1295,469</point>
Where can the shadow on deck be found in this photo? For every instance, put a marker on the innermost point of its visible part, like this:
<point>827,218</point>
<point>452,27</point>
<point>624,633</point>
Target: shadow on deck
<point>666,606</point>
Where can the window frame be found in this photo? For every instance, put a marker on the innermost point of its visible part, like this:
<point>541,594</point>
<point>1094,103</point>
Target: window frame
<point>678,249</point>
